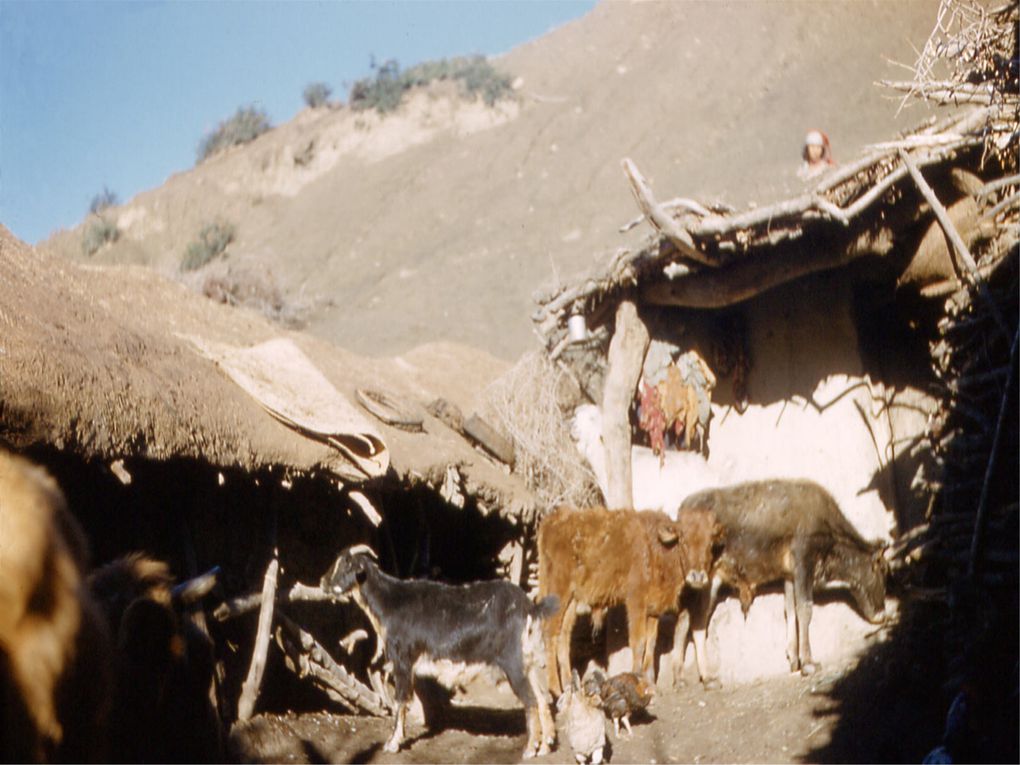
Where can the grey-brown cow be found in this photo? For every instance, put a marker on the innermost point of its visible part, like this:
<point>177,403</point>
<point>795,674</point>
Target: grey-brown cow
<point>791,530</point>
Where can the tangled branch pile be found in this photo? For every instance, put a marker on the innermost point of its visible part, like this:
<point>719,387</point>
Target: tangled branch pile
<point>978,47</point>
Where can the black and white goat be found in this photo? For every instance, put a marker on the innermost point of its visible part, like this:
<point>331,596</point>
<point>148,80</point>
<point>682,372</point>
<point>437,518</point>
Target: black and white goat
<point>418,621</point>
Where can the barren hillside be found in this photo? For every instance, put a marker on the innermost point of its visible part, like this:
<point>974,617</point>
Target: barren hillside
<point>440,221</point>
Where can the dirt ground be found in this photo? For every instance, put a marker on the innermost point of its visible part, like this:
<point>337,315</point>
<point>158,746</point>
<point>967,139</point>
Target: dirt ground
<point>777,720</point>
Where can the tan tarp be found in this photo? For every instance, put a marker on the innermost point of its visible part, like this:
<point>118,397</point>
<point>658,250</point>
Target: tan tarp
<point>291,388</point>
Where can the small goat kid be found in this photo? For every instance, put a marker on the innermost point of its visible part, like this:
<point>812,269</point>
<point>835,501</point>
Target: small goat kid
<point>417,621</point>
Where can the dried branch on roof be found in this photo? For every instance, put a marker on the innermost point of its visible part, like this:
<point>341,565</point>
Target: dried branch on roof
<point>710,257</point>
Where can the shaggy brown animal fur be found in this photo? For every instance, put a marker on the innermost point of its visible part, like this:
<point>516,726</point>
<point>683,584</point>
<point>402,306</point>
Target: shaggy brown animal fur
<point>603,557</point>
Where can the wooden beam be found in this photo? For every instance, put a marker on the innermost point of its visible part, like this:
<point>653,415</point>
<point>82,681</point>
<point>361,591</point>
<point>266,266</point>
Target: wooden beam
<point>759,273</point>
<point>626,356</point>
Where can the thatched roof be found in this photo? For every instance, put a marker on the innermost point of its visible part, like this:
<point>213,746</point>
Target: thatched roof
<point>101,361</point>
<point>702,257</point>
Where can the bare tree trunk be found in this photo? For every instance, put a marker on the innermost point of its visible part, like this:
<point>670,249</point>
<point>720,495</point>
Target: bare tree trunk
<point>626,357</point>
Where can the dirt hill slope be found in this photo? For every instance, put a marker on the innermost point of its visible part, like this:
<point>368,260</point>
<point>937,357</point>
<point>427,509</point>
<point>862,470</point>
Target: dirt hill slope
<point>440,221</point>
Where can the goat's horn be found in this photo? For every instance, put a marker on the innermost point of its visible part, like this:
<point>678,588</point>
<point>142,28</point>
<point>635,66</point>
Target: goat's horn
<point>193,590</point>
<point>362,549</point>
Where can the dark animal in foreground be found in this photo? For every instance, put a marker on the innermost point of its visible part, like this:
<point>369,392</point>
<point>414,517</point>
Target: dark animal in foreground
<point>580,708</point>
<point>603,557</point>
<point>791,530</point>
<point>418,621</point>
<point>163,665</point>
<point>621,695</point>
<point>54,645</point>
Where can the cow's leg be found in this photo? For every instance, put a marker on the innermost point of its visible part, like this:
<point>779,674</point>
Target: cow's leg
<point>648,655</point>
<point>790,610</point>
<point>559,675</point>
<point>804,596</point>
<point>637,622</point>
<point>704,605</point>
<point>551,629</point>
<point>679,651</point>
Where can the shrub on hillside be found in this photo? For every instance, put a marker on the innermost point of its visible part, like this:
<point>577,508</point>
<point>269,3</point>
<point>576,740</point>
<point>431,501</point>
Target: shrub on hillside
<point>102,201</point>
<point>247,124</point>
<point>317,94</point>
<point>384,91</point>
<point>479,78</point>
<point>212,241</point>
<point>98,233</point>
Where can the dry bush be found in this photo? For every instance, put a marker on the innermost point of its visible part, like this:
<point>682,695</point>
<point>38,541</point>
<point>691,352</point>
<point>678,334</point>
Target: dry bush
<point>527,404</point>
<point>254,288</point>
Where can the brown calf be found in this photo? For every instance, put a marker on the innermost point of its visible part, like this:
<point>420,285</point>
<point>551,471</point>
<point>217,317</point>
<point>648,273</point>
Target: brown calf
<point>603,558</point>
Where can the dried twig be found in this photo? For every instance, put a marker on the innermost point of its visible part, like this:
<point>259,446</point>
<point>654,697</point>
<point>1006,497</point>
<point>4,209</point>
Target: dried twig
<point>246,603</point>
<point>661,220</point>
<point>309,658</point>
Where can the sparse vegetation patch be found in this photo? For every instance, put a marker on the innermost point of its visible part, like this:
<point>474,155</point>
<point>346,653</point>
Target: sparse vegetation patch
<point>212,242</point>
<point>317,94</point>
<point>98,234</point>
<point>103,200</point>
<point>247,124</point>
<point>385,90</point>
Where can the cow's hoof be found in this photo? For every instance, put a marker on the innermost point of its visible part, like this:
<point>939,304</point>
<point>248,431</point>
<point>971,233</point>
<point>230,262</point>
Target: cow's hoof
<point>713,684</point>
<point>809,669</point>
<point>391,746</point>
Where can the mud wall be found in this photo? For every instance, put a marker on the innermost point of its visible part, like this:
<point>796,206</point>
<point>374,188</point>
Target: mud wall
<point>826,406</point>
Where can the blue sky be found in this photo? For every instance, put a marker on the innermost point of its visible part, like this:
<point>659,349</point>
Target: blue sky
<point>119,94</point>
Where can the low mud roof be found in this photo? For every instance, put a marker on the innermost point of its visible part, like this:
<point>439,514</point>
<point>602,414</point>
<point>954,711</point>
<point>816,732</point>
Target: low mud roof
<point>119,363</point>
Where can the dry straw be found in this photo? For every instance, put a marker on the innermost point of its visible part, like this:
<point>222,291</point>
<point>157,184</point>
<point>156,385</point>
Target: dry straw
<point>526,403</point>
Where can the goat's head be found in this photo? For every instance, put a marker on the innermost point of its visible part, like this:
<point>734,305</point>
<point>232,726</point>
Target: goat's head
<point>349,570</point>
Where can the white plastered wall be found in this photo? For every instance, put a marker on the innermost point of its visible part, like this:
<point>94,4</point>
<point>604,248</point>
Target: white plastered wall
<point>814,414</point>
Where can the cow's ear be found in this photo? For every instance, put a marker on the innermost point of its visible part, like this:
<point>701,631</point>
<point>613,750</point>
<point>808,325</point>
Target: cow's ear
<point>668,536</point>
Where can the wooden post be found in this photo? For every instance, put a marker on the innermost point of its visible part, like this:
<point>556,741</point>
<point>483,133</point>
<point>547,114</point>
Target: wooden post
<point>626,357</point>
<point>250,689</point>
